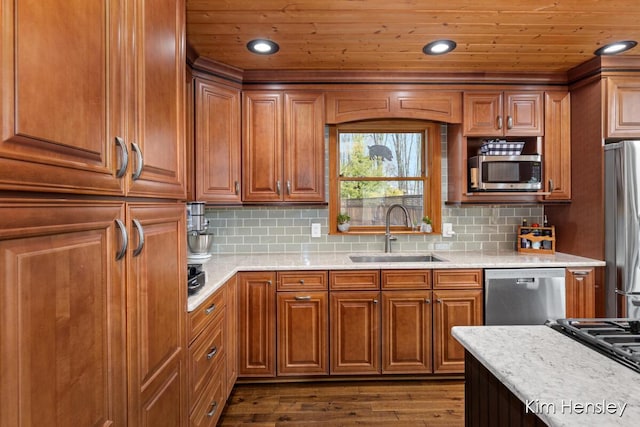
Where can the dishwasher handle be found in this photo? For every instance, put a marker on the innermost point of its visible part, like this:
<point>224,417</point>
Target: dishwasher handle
<point>525,280</point>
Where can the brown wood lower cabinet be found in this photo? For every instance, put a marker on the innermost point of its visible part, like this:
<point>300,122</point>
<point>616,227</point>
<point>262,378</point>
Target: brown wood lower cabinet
<point>302,347</point>
<point>581,293</point>
<point>355,332</point>
<point>406,332</point>
<point>63,315</point>
<point>453,308</point>
<point>257,299</point>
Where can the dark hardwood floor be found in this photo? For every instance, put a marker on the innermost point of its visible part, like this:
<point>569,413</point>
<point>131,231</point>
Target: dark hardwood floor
<point>380,403</point>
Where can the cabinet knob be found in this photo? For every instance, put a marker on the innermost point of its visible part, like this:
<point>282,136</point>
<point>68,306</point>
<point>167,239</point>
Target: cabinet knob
<point>269,282</point>
<point>375,301</point>
<point>427,301</point>
<point>439,301</point>
<point>302,281</point>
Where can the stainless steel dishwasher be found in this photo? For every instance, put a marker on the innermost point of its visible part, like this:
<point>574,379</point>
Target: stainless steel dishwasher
<point>524,296</point>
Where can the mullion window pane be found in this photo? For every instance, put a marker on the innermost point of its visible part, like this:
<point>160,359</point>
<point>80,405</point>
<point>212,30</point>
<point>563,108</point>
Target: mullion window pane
<point>380,154</point>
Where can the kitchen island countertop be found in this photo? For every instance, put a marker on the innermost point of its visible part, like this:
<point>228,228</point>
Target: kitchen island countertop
<point>220,268</point>
<point>562,381</point>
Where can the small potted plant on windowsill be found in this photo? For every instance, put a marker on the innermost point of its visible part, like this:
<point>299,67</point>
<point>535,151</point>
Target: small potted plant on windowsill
<point>343,221</point>
<point>426,226</point>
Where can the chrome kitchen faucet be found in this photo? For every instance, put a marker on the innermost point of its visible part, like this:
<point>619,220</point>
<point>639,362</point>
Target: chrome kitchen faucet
<point>387,232</point>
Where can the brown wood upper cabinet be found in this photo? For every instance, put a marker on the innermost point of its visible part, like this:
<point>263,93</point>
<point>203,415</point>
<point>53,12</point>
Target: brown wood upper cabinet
<point>442,106</point>
<point>283,146</point>
<point>557,145</point>
<point>97,108</point>
<point>217,142</point>
<point>503,113</point>
<point>623,107</point>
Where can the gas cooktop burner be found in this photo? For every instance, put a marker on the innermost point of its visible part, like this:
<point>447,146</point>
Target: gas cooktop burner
<point>619,339</point>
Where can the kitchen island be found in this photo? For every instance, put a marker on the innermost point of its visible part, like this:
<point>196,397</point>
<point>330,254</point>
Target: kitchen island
<point>220,268</point>
<point>556,379</point>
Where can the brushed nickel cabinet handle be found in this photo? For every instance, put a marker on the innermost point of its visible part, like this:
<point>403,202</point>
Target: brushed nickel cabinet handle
<point>212,353</point>
<point>304,298</point>
<point>580,273</point>
<point>499,122</point>
<point>302,281</point>
<point>124,157</point>
<point>138,226</point>
<point>210,309</point>
<point>237,187</point>
<point>551,187</point>
<point>278,187</point>
<point>288,187</point>
<point>139,162</point>
<point>214,406</point>
<point>509,122</point>
<point>125,240</point>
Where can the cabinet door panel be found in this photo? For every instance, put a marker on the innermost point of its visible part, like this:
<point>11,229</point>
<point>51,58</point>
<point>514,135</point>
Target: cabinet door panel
<point>623,108</point>
<point>557,145</point>
<point>482,112</point>
<point>302,333</point>
<point>62,317</point>
<point>61,96</point>
<point>217,143</point>
<point>524,114</point>
<point>304,147</point>
<point>156,314</point>
<point>406,332</point>
<point>453,308</point>
<point>355,332</point>
<point>262,147</point>
<point>581,293</point>
<point>257,324</point>
<point>159,99</point>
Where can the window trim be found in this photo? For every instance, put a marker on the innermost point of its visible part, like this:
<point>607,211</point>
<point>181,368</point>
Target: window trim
<point>432,182</point>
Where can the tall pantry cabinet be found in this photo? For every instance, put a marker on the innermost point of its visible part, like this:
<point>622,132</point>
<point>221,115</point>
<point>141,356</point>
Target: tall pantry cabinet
<point>92,288</point>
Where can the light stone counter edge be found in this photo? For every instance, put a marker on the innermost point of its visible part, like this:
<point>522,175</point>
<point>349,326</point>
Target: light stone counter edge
<point>220,268</point>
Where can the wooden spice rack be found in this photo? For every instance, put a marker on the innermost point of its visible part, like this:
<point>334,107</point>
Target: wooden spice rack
<point>537,235</point>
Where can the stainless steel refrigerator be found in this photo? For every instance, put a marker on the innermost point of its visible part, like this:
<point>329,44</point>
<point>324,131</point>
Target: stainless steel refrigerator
<point>622,228</point>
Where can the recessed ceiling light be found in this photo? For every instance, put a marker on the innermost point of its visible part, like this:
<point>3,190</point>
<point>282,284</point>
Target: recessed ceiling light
<point>439,47</point>
<point>263,46</point>
<point>615,48</point>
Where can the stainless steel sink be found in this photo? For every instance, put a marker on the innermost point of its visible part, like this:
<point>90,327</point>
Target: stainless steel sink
<point>394,258</point>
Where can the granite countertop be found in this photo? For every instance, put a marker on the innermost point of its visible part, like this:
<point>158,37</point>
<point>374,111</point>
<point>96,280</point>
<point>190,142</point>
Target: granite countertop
<point>554,375</point>
<point>220,268</point>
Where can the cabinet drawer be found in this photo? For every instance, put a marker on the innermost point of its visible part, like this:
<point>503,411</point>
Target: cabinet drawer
<point>200,318</point>
<point>302,281</point>
<point>406,279</point>
<point>205,355</point>
<point>454,279</point>
<point>210,403</point>
<point>354,280</point>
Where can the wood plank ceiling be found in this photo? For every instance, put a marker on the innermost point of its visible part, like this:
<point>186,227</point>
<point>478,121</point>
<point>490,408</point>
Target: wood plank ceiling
<point>497,36</point>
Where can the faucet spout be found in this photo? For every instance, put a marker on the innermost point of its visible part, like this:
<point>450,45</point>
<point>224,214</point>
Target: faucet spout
<point>387,228</point>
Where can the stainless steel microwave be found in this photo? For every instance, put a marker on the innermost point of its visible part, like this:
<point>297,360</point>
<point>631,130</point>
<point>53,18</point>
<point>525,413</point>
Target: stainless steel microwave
<point>505,173</point>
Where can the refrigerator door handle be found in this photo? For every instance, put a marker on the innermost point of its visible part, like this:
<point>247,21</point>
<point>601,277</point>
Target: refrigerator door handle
<point>626,294</point>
